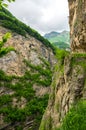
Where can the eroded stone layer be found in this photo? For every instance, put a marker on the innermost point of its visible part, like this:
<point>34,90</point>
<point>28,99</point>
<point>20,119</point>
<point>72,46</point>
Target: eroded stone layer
<point>77,21</point>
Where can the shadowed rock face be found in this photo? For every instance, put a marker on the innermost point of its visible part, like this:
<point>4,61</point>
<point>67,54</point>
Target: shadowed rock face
<point>77,21</point>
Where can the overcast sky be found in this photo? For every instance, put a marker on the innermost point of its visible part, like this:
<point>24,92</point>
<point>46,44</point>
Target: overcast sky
<point>42,15</point>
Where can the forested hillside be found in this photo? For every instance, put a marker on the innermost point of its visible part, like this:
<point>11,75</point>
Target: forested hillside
<point>60,40</point>
<point>7,20</point>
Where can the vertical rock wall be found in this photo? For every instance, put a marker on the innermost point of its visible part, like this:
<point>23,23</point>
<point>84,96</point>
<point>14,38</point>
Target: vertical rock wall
<point>68,86</point>
<point>77,21</point>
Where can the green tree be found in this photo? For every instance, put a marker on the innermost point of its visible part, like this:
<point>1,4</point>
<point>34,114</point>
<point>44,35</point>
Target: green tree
<point>3,4</point>
<point>5,50</point>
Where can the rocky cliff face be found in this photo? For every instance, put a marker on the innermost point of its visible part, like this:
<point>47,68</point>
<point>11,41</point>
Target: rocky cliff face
<point>26,49</point>
<point>68,87</point>
<point>77,21</point>
<point>25,78</point>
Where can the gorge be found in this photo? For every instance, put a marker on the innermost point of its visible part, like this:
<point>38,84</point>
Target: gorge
<point>39,84</point>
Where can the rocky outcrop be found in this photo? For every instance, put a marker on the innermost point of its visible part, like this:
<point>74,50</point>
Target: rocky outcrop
<point>26,48</point>
<point>68,87</point>
<point>77,21</point>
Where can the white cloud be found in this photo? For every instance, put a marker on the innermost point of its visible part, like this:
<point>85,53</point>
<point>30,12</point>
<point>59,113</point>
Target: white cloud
<point>42,15</point>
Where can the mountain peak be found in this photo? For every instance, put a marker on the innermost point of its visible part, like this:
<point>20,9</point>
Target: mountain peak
<point>51,34</point>
<point>59,39</point>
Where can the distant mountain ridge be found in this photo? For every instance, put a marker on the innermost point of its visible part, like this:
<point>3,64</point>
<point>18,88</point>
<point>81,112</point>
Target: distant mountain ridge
<point>59,39</point>
<point>51,34</point>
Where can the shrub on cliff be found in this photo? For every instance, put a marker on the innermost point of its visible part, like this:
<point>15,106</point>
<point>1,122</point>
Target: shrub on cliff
<point>76,118</point>
<point>5,50</point>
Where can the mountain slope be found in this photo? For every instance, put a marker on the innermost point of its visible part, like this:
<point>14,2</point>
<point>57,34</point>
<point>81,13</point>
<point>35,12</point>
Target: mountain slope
<point>61,40</point>
<point>25,75</point>
<point>7,20</point>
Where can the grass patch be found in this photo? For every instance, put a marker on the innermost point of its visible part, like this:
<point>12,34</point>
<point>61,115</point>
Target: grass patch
<point>78,59</point>
<point>75,118</point>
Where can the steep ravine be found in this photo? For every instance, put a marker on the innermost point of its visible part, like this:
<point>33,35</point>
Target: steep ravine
<point>26,74</point>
